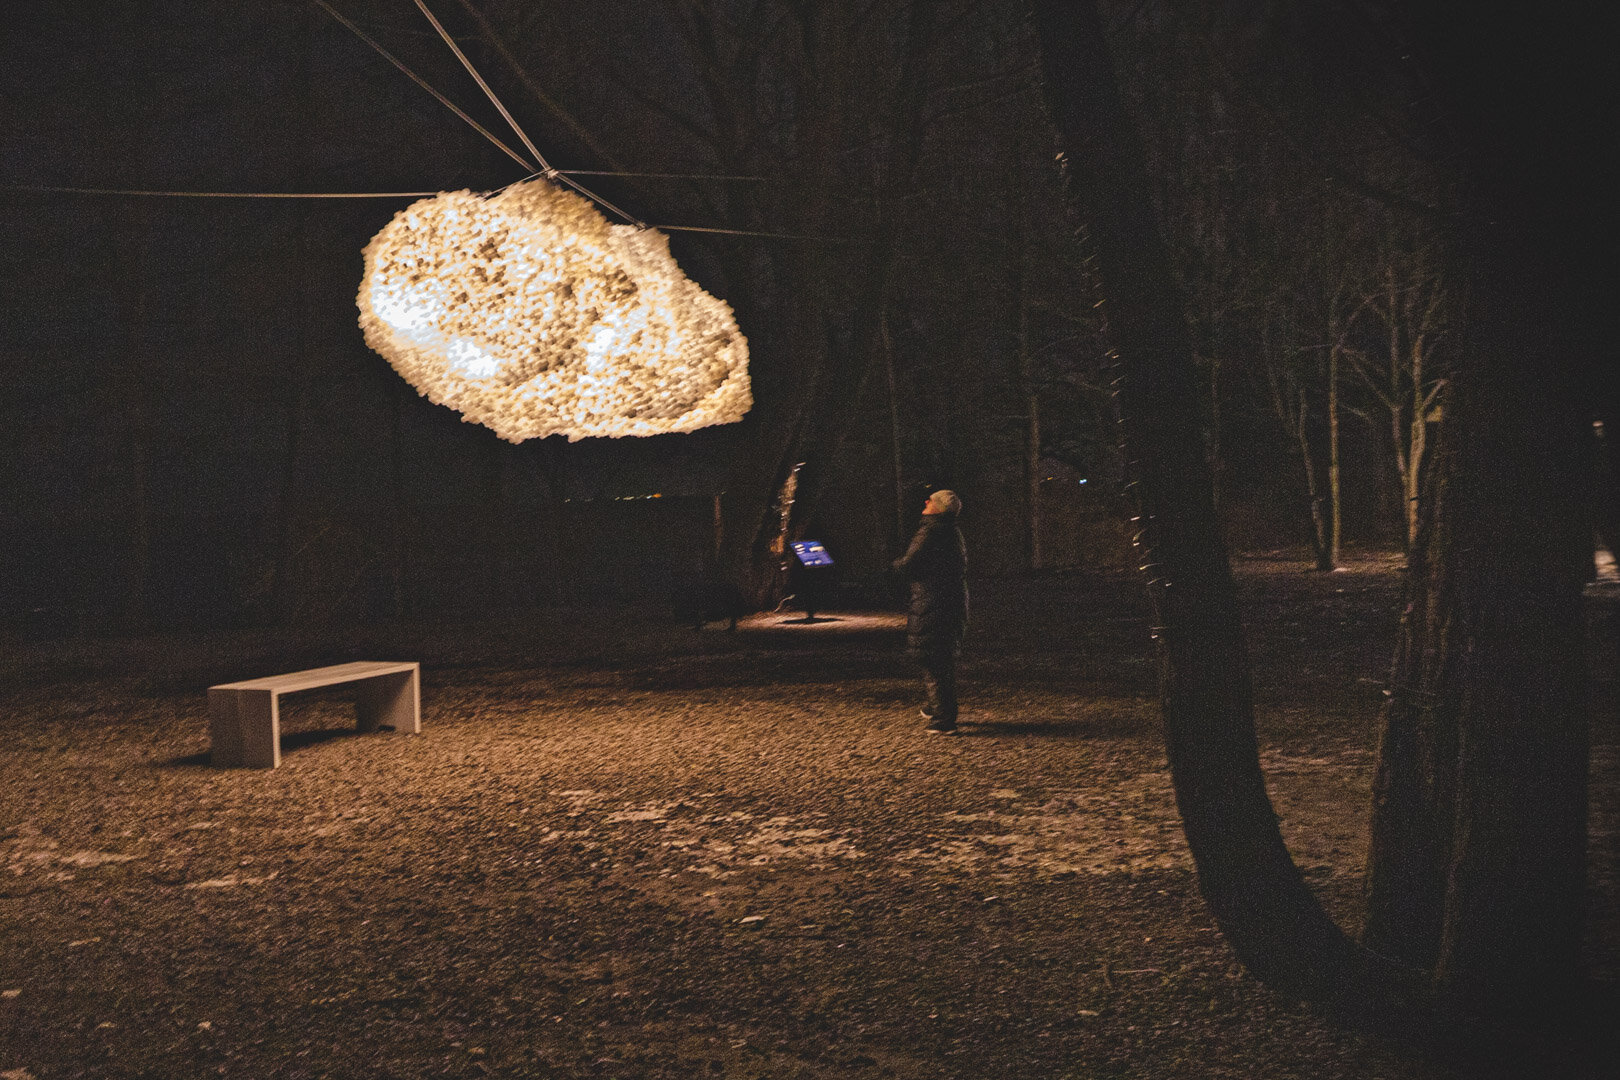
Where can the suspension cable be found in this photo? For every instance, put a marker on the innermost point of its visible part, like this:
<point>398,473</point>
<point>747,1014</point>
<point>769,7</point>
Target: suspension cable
<point>419,81</point>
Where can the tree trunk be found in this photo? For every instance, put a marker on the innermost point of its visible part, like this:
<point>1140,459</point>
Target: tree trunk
<point>1522,749</point>
<point>1216,463</point>
<point>1335,503</point>
<point>1291,406</point>
<point>899,533</point>
<point>291,504</point>
<point>1606,452</point>
<point>1414,788</point>
<point>1254,889</point>
<point>1018,258</point>
<point>1479,836</point>
<point>1477,864</point>
<point>1319,521</point>
<point>550,458</point>
<point>1411,462</point>
<point>399,540</point>
<point>496,511</point>
<point>1032,429</point>
<point>129,284</point>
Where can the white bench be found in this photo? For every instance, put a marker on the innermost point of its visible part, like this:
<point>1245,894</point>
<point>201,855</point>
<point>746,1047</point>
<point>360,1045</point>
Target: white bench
<point>244,718</point>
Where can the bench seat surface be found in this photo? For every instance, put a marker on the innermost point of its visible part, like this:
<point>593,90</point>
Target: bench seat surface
<point>322,676</point>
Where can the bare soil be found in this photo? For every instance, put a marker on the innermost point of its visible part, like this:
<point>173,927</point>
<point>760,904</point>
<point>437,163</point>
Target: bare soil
<point>622,848</point>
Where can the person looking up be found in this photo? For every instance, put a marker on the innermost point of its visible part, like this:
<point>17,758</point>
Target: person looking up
<point>936,566</point>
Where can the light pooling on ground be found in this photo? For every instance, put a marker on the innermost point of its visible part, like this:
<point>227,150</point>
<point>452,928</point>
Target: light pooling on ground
<point>528,312</point>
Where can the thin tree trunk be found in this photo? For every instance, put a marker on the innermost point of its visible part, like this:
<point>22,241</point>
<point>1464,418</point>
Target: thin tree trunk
<point>1019,257</point>
<point>130,276</point>
<point>550,458</point>
<point>1412,469</point>
<point>498,528</point>
<point>1423,406</point>
<point>1606,454</point>
<point>1335,503</point>
<point>290,508</point>
<point>1032,464</point>
<point>1319,523</point>
<point>399,541</point>
<point>1215,448</point>
<point>1403,440</point>
<point>1291,407</point>
<point>718,525</point>
<point>1032,429</point>
<point>1414,786</point>
<point>137,607</point>
<point>894,432</point>
<point>128,282</point>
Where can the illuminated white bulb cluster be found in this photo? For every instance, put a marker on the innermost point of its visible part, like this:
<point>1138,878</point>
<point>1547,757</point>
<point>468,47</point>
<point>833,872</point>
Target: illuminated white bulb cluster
<point>530,313</point>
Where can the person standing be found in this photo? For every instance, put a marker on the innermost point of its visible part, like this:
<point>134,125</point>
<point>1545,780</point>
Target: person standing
<point>936,566</point>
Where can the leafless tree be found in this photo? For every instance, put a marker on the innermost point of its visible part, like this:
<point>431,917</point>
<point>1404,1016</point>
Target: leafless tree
<point>1406,376</point>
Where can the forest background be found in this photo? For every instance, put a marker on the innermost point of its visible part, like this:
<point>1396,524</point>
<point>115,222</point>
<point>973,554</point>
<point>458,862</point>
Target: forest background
<point>1340,281</point>
<point>195,434</point>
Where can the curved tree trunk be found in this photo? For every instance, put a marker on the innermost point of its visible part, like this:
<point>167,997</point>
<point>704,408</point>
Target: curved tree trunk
<point>1479,829</point>
<point>1252,886</point>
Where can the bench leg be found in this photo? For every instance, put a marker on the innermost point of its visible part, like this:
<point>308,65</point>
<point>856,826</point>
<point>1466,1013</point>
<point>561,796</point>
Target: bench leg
<point>394,700</point>
<point>244,728</point>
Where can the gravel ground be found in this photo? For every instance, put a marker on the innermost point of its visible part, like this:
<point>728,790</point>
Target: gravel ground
<point>622,848</point>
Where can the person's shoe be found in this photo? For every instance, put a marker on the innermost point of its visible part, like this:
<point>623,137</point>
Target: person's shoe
<point>941,727</point>
<point>926,713</point>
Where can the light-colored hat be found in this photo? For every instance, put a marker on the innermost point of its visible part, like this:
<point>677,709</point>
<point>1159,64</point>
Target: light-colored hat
<point>946,501</point>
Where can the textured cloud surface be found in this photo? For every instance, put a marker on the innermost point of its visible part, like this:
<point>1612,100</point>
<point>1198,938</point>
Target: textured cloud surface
<point>530,313</point>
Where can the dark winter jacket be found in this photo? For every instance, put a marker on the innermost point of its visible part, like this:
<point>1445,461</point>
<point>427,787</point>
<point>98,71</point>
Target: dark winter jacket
<point>936,566</point>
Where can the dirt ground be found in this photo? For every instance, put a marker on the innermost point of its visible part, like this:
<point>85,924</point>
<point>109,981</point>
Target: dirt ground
<point>622,848</point>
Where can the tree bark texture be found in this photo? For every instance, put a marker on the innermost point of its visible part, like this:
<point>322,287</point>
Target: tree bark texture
<point>1479,830</point>
<point>1477,865</point>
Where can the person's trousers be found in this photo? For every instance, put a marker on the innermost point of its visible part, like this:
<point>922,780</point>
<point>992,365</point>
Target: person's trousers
<point>939,680</point>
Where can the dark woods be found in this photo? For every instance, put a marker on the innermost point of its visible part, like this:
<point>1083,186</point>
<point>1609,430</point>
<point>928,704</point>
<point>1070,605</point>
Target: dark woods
<point>1476,885</point>
<point>1352,264</point>
<point>195,433</point>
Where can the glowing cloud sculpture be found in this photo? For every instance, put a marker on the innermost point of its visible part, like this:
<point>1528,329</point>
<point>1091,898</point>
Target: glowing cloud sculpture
<point>528,312</point>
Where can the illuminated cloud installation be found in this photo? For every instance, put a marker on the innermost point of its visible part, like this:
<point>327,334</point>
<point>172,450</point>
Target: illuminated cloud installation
<point>528,312</point>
